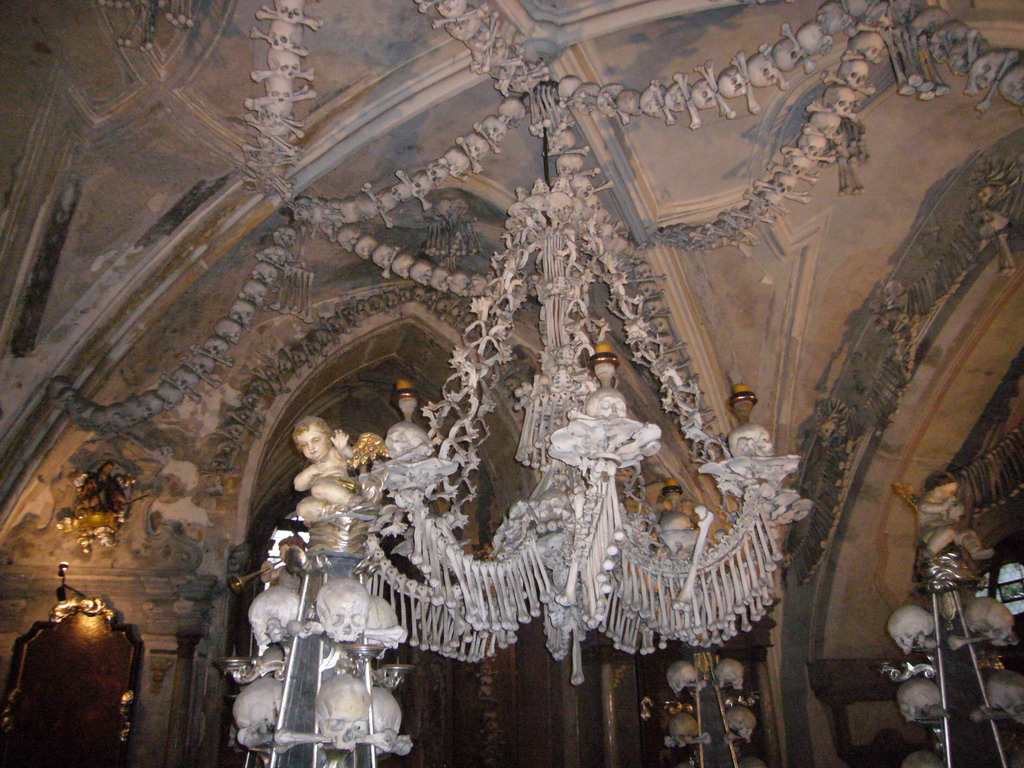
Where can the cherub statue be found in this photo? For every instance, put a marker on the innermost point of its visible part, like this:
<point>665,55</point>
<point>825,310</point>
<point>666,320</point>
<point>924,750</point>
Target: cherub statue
<point>940,518</point>
<point>331,490</point>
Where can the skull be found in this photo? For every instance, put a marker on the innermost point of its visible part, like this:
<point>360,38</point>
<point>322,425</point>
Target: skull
<point>812,143</point>
<point>652,100</point>
<point>675,526</point>
<point>1005,691</point>
<point>840,99</point>
<point>1011,85</point>
<point>922,759</point>
<point>458,283</point>
<point>255,292</point>
<point>740,721</point>
<point>832,17</point>
<point>854,72</point>
<point>627,104</point>
<point>987,67</point>
<point>242,312</point>
<point>605,403</point>
<point>270,612</point>
<point>476,145</point>
<point>451,8</point>
<point>266,273</point>
<point>606,99</point>
<point>287,63</point>
<point>387,715</point>
<point>256,710</point>
<point>683,674</point>
<point>439,278</point>
<point>494,128</point>
<point>437,171</point>
<point>866,45</point>
<point>989,617</point>
<point>342,709</point>
<point>944,37</point>
<point>584,98</point>
<point>458,162</point>
<point>402,263</point>
<point>285,236</point>
<point>216,347</point>
<point>421,271</point>
<point>150,404</point>
<point>170,394</point>
<point>382,625</point>
<point>702,95</point>
<point>567,86</point>
<point>786,55</point>
<point>682,730</point>
<point>404,437</point>
<point>365,246</point>
<point>762,71</point>
<point>383,255</point>
<point>343,606</point>
<point>751,440</point>
<point>813,40</point>
<point>919,700</point>
<point>560,206</point>
<point>731,83</point>
<point>228,330</point>
<point>828,124</point>
<point>477,285</point>
<point>911,627</point>
<point>347,236</point>
<point>512,109</point>
<point>729,673</point>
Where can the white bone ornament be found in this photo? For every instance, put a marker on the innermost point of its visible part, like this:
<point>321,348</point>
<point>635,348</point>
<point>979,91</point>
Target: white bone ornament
<point>343,608</point>
<point>271,611</point>
<point>912,627</point>
<point>256,709</point>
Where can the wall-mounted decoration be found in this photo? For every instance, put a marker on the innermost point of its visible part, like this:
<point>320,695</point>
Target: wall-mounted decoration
<point>101,506</point>
<point>71,690</point>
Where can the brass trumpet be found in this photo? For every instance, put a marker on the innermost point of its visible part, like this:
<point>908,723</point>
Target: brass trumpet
<point>237,583</point>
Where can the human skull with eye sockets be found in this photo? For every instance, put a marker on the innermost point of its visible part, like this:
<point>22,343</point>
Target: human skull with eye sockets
<point>751,440</point>
<point>342,709</point>
<point>762,71</point>
<point>731,83</point>
<point>343,607</point>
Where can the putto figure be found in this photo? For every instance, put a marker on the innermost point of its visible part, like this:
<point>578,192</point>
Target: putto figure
<point>333,492</point>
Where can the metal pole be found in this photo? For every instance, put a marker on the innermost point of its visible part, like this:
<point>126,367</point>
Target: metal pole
<point>980,679</point>
<point>940,663</point>
<point>286,693</point>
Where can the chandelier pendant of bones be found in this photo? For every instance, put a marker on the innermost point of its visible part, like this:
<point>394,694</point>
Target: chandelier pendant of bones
<point>570,551</point>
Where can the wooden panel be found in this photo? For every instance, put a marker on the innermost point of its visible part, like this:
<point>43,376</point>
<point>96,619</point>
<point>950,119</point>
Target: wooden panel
<point>63,705</point>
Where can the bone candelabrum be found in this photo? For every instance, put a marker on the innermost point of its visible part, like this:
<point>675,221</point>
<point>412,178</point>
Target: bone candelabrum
<point>954,683</point>
<point>318,685</point>
<point>711,717</point>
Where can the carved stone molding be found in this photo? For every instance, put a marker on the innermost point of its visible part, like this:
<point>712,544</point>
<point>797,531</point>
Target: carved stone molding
<point>241,424</point>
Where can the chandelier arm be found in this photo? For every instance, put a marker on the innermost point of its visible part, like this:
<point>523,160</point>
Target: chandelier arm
<point>680,396</point>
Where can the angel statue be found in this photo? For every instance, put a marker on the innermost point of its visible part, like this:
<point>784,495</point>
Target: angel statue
<point>336,499</point>
<point>940,517</point>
